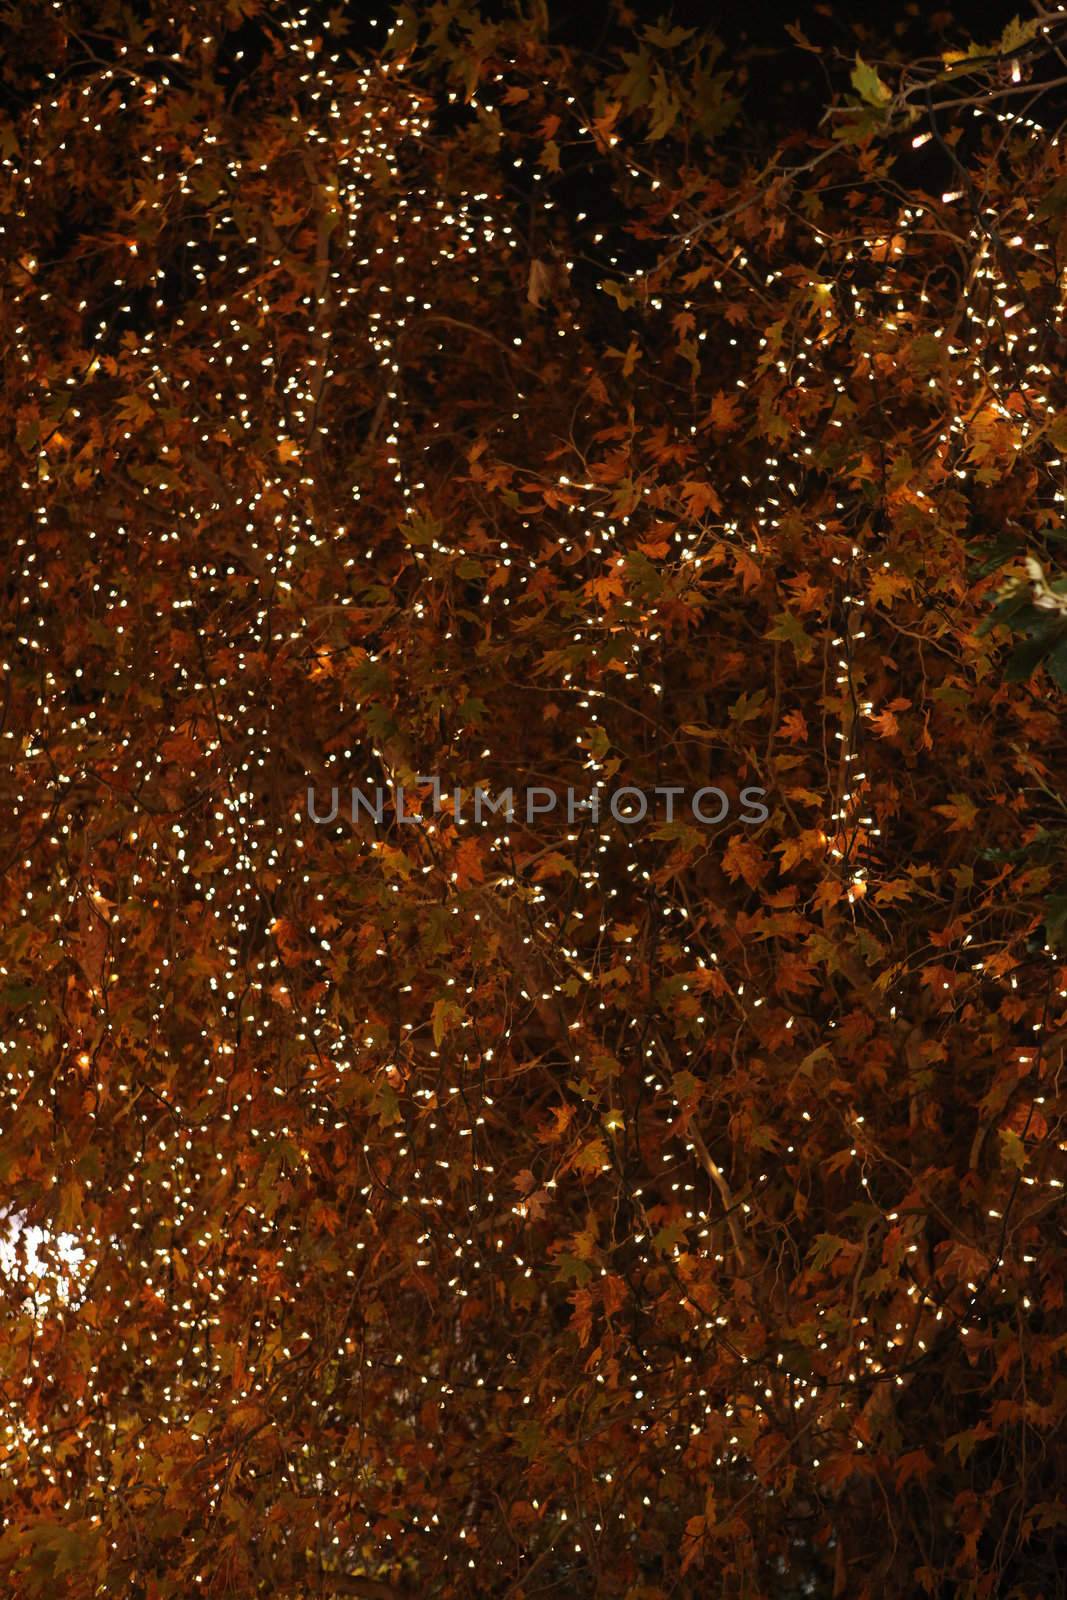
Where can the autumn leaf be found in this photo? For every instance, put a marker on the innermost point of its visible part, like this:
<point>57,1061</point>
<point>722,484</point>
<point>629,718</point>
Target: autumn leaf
<point>540,283</point>
<point>699,498</point>
<point>913,1464</point>
<point>793,727</point>
<point>468,863</point>
<point>960,810</point>
<point>743,859</point>
<point>725,413</point>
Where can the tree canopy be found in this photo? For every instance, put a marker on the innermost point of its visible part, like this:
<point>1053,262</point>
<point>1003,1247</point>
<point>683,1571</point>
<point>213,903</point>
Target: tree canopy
<point>561,1205</point>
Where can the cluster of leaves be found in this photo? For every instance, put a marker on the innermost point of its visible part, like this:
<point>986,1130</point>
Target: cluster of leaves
<point>560,1206</point>
<point>1038,610</point>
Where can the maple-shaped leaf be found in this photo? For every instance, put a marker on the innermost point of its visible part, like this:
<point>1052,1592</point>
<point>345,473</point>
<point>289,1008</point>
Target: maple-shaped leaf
<point>700,497</point>
<point>827,1248</point>
<point>445,1016</point>
<point>868,85</point>
<point>961,812</point>
<point>913,1464</point>
<point>468,864</point>
<point>793,727</point>
<point>725,413</point>
<point>885,587</point>
<point>744,859</point>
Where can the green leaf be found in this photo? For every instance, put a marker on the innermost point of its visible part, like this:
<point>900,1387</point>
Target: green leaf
<point>571,1266</point>
<point>788,628</point>
<point>964,1443</point>
<point>1012,1149</point>
<point>620,296</point>
<point>445,1013</point>
<point>667,1240</point>
<point>1027,658</point>
<point>825,1248</point>
<point>1018,33</point>
<point>634,87</point>
<point>1054,203</point>
<point>665,109</point>
<point>1057,665</point>
<point>420,529</point>
<point>17,995</point>
<point>386,1104</point>
<point>667,39</point>
<point>1056,921</point>
<point>748,706</point>
<point>869,86</point>
<point>473,710</point>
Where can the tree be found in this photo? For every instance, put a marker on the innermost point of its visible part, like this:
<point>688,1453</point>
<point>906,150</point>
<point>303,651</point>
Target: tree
<point>564,1203</point>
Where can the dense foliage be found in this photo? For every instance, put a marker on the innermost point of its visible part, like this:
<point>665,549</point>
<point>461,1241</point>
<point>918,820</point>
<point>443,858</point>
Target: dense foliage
<point>567,1206</point>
